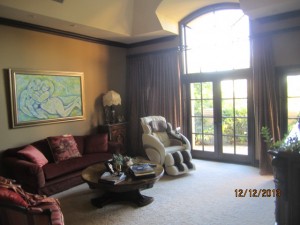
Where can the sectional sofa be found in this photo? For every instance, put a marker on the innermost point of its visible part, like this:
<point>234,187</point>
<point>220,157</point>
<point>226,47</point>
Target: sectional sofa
<point>54,164</point>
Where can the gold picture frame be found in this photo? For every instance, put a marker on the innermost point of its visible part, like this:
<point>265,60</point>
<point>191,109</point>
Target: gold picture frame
<point>45,97</point>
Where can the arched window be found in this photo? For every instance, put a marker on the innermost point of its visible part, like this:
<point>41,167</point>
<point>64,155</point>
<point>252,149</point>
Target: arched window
<point>217,40</point>
<point>216,63</point>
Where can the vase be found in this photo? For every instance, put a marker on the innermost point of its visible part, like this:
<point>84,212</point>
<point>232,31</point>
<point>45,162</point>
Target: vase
<point>118,168</point>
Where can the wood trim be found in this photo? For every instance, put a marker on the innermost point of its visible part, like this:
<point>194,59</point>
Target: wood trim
<point>275,32</point>
<point>278,17</point>
<point>154,41</point>
<point>152,52</point>
<point>34,27</point>
<point>209,8</point>
<point>29,26</point>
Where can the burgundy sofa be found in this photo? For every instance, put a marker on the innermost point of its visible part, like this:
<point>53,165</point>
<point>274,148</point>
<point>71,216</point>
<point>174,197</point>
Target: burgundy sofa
<point>55,177</point>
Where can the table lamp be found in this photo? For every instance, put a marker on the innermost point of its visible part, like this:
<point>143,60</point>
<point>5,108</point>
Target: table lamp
<point>111,99</point>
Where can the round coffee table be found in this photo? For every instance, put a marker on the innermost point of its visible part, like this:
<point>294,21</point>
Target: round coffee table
<point>127,190</point>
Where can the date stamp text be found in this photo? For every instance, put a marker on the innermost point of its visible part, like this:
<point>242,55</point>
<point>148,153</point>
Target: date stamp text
<point>256,193</point>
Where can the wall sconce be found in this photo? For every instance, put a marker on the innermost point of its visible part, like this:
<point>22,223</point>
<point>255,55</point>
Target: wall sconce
<point>110,100</point>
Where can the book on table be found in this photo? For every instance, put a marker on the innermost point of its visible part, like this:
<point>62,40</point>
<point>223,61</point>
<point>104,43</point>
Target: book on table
<point>142,170</point>
<point>111,178</point>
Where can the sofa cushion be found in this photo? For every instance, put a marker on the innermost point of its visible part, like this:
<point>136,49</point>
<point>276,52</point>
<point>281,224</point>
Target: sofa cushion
<point>53,170</point>
<point>80,140</point>
<point>33,155</point>
<point>63,147</point>
<point>43,146</point>
<point>96,143</point>
<point>10,197</point>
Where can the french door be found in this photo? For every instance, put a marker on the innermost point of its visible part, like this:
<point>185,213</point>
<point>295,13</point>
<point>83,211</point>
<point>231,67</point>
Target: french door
<point>219,119</point>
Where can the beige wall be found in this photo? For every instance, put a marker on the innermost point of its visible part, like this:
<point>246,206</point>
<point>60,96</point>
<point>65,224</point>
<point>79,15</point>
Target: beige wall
<point>285,35</point>
<point>104,68</point>
<point>287,49</point>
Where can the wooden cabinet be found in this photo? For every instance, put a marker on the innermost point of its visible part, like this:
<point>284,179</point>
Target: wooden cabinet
<point>116,132</point>
<point>287,179</point>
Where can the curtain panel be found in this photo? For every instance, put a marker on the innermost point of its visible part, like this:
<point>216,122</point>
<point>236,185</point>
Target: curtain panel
<point>266,112</point>
<point>153,87</point>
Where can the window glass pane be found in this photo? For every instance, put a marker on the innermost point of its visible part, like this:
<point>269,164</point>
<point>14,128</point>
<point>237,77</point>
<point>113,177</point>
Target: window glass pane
<point>293,101</point>
<point>241,126</point>
<point>196,108</point>
<point>208,140</point>
<point>241,107</point>
<point>293,86</point>
<point>227,89</point>
<point>197,125</point>
<point>208,107</point>
<point>227,108</point>
<point>228,126</point>
<point>197,142</point>
<point>291,123</point>
<point>208,126</point>
<point>240,88</point>
<point>207,88</point>
<point>218,41</point>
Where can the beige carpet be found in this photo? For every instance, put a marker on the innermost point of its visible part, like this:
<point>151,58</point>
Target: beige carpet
<point>203,197</point>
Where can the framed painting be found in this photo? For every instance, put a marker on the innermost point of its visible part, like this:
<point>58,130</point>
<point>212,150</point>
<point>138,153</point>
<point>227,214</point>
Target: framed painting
<point>43,97</point>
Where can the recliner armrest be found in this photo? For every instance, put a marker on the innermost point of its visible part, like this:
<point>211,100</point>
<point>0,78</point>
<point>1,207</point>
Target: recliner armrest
<point>154,143</point>
<point>175,142</point>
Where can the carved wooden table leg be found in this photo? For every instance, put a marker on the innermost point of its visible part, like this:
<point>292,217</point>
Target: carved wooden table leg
<point>131,196</point>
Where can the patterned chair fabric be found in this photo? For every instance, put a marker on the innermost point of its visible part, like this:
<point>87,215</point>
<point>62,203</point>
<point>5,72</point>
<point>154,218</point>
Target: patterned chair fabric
<point>19,207</point>
<point>165,146</point>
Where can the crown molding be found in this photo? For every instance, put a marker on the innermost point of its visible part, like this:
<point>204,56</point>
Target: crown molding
<point>34,27</point>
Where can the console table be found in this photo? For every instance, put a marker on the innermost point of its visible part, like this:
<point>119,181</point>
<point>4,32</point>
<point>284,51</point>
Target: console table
<point>287,178</point>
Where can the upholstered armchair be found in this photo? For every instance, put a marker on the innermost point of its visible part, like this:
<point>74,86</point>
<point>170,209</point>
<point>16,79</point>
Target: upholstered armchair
<point>165,146</point>
<point>18,207</point>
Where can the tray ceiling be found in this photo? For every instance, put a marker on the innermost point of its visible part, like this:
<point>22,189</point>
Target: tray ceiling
<point>125,21</point>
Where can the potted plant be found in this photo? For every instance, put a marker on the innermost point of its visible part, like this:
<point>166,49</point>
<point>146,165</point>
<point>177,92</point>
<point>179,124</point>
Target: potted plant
<point>287,144</point>
<point>121,163</point>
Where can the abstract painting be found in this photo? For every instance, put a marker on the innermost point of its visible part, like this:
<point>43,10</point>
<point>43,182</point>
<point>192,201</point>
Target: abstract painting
<point>42,97</point>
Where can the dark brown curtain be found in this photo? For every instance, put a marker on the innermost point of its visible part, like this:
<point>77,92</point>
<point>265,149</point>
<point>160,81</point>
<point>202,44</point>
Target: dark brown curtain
<point>153,88</point>
<point>265,98</point>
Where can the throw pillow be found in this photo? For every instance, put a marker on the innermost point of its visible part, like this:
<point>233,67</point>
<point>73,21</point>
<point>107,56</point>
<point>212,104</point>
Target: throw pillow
<point>63,147</point>
<point>33,155</point>
<point>158,126</point>
<point>96,143</point>
<point>10,197</point>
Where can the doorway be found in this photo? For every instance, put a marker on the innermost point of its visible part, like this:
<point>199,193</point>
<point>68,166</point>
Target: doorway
<point>219,119</point>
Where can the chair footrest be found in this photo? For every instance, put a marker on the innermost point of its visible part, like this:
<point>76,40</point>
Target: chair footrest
<point>178,163</point>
